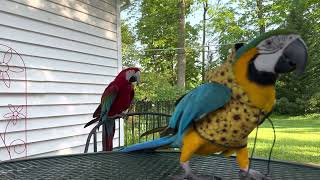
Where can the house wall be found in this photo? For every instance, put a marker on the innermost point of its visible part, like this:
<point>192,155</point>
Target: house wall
<point>71,51</point>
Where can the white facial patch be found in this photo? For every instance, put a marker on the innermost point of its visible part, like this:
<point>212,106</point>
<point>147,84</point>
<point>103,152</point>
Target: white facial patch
<point>267,62</point>
<point>270,50</point>
<point>129,74</point>
<point>138,76</point>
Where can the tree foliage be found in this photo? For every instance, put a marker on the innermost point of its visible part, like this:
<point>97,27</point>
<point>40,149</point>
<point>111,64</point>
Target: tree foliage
<point>237,21</point>
<point>157,34</point>
<point>158,29</point>
<point>303,17</point>
<point>129,50</point>
<point>156,87</point>
<point>227,22</point>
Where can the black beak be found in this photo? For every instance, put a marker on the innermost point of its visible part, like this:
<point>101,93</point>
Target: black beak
<point>133,79</point>
<point>294,58</point>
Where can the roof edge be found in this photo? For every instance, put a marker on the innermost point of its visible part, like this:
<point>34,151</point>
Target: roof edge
<point>124,4</point>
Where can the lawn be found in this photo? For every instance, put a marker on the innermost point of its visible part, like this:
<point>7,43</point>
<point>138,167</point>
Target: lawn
<point>297,139</point>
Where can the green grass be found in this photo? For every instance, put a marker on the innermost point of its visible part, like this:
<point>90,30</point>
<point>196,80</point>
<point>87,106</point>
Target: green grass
<point>297,139</point>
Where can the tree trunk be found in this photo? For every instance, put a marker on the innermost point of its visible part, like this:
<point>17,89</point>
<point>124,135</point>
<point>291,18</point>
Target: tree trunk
<point>205,8</point>
<point>181,46</point>
<point>262,26</point>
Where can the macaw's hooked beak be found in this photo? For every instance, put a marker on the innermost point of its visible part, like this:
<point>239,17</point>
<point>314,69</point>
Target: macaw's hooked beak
<point>135,77</point>
<point>294,58</point>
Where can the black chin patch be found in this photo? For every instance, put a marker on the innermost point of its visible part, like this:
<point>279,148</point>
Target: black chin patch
<point>260,77</point>
<point>133,79</point>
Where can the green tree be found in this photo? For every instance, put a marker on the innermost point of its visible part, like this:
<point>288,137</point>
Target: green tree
<point>181,65</point>
<point>130,55</point>
<point>156,87</point>
<point>157,28</point>
<point>236,21</point>
<point>227,22</point>
<point>303,17</point>
<point>156,35</point>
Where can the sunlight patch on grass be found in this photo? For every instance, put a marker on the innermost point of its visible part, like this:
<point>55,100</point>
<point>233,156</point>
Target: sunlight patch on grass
<point>297,139</point>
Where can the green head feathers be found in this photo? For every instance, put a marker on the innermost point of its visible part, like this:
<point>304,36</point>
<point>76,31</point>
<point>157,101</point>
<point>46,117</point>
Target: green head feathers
<point>260,38</point>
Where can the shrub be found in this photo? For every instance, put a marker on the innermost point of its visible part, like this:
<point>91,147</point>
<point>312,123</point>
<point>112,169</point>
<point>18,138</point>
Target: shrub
<point>284,106</point>
<point>313,104</point>
<point>156,87</point>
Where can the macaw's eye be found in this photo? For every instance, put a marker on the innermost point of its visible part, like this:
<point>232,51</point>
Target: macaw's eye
<point>269,42</point>
<point>270,45</point>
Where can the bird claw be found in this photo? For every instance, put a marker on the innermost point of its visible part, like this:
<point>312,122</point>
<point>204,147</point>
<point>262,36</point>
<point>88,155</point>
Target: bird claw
<point>179,177</point>
<point>252,175</point>
<point>194,177</point>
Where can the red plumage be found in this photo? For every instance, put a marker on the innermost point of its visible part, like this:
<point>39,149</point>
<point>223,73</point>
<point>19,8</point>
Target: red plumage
<point>119,94</point>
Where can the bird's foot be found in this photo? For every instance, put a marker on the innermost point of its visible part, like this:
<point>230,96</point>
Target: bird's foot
<point>252,175</point>
<point>190,175</point>
<point>194,177</point>
<point>179,177</point>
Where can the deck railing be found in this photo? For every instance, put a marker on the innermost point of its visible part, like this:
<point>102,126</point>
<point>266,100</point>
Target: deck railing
<point>151,115</point>
<point>142,116</point>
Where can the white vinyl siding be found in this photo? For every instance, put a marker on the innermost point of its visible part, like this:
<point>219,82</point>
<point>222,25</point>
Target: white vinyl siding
<point>71,50</point>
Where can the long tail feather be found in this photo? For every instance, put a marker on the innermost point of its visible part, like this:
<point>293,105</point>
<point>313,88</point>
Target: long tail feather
<point>150,144</point>
<point>108,133</point>
<point>91,122</point>
<point>155,130</point>
<point>163,131</point>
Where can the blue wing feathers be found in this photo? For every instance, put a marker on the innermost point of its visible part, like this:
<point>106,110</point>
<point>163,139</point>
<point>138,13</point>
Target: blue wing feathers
<point>106,104</point>
<point>192,107</point>
<point>199,102</point>
<point>150,144</point>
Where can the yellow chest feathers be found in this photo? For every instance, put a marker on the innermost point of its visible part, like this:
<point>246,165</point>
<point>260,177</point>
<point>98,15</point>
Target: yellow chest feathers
<point>261,96</point>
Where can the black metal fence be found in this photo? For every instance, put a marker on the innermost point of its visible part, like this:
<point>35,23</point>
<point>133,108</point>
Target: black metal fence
<point>142,116</point>
<point>151,115</point>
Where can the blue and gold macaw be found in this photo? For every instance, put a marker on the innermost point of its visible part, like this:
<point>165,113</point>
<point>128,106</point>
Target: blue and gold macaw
<point>219,115</point>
